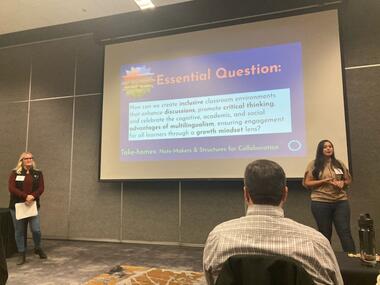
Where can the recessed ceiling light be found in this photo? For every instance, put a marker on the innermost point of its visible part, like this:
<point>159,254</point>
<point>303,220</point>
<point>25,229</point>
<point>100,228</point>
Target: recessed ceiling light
<point>144,4</point>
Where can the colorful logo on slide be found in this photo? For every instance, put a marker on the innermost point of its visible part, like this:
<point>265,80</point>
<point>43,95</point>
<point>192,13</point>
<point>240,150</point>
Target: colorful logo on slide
<point>137,81</point>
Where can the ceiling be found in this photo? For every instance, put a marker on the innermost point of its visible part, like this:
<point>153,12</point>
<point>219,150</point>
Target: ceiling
<point>21,15</point>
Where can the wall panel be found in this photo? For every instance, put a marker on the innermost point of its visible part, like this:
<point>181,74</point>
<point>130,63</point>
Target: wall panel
<point>94,206</point>
<point>90,67</point>
<point>50,142</point>
<point>53,68</point>
<point>150,211</point>
<point>361,32</point>
<point>13,117</point>
<point>206,204</point>
<point>14,74</point>
<point>364,105</point>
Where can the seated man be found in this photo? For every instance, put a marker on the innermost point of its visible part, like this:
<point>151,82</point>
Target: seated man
<point>265,231</point>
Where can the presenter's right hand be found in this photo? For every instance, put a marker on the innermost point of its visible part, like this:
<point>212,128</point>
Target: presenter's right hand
<point>327,180</point>
<point>29,200</point>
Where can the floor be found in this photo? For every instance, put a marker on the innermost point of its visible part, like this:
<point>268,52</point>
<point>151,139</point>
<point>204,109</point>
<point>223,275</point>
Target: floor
<point>75,262</point>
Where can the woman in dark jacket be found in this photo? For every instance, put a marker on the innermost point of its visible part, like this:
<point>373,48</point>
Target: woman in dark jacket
<point>26,185</point>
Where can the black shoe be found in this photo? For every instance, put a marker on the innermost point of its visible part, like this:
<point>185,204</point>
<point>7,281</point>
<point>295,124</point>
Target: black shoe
<point>21,258</point>
<point>40,252</point>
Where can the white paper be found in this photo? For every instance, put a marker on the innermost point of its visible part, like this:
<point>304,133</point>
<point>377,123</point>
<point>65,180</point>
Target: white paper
<point>24,211</point>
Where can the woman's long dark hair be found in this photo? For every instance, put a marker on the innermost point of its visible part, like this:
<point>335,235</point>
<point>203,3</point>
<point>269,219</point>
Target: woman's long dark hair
<point>319,162</point>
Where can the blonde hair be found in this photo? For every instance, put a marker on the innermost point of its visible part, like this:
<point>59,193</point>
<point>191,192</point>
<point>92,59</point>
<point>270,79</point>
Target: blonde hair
<point>20,162</point>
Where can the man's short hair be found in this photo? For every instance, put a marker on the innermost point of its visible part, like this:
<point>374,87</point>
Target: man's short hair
<point>265,180</point>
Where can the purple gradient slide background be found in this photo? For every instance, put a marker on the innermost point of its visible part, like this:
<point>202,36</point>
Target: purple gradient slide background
<point>289,56</point>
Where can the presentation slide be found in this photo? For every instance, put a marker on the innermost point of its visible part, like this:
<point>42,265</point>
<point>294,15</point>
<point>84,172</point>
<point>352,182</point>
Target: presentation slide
<point>202,105</point>
<point>223,105</point>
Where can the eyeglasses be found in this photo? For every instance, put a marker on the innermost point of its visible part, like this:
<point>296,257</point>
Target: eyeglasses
<point>27,158</point>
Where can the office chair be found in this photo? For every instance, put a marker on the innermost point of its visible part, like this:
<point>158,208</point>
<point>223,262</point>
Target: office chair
<point>262,270</point>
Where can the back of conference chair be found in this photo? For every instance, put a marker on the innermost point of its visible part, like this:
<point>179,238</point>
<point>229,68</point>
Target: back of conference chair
<point>3,264</point>
<point>261,270</point>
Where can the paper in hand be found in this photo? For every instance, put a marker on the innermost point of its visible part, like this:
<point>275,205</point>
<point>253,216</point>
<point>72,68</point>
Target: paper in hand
<point>25,211</point>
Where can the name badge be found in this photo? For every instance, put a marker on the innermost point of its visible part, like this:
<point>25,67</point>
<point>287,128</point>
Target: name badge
<point>20,178</point>
<point>338,171</point>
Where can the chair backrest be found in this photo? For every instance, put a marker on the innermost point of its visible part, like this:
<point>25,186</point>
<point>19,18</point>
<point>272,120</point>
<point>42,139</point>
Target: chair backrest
<point>261,270</point>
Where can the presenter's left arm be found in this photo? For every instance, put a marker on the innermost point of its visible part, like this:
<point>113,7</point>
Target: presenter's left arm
<point>347,176</point>
<point>347,179</point>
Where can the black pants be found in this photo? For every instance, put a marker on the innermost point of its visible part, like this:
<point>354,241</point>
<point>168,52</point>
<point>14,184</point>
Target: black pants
<point>337,213</point>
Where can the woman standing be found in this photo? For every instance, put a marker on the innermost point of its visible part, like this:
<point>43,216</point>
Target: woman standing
<point>26,185</point>
<point>328,178</point>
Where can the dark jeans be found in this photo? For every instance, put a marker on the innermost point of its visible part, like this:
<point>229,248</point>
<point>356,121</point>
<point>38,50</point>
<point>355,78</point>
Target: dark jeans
<point>325,214</point>
<point>20,231</point>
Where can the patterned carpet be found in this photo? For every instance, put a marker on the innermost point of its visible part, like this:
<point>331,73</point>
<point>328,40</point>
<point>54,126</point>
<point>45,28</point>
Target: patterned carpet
<point>137,275</point>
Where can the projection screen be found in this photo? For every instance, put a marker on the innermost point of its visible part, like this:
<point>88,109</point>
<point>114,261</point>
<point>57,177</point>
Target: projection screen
<point>204,104</point>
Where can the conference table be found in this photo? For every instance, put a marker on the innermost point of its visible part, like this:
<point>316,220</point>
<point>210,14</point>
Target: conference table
<point>7,242</point>
<point>3,264</point>
<point>7,232</point>
<point>356,273</point>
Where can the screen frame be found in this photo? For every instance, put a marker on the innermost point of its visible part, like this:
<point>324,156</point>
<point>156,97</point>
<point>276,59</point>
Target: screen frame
<point>233,22</point>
